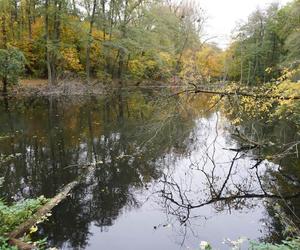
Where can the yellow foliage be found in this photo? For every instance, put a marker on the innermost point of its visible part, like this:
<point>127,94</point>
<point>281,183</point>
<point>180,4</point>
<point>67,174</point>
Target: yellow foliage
<point>289,108</point>
<point>38,28</point>
<point>156,67</point>
<point>288,74</point>
<point>203,64</point>
<point>33,229</point>
<point>136,67</point>
<point>278,104</point>
<point>189,70</point>
<point>99,35</point>
<point>97,56</point>
<point>71,59</point>
<point>167,58</point>
<point>210,62</point>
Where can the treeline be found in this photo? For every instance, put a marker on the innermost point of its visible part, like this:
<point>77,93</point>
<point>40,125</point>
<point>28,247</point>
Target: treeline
<point>266,46</point>
<point>142,39</point>
<point>101,39</point>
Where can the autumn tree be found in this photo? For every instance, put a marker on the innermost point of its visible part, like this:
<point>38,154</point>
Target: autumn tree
<point>265,45</point>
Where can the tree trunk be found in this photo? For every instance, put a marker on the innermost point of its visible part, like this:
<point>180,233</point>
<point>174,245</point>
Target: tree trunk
<point>4,35</point>
<point>111,22</point>
<point>122,50</point>
<point>48,56</point>
<point>178,62</point>
<point>4,32</point>
<point>89,44</point>
<point>242,65</point>
<point>28,9</point>
<point>103,20</point>
<point>5,83</point>
<point>56,40</point>
<point>121,65</point>
<point>14,16</point>
<point>74,8</point>
<point>249,73</point>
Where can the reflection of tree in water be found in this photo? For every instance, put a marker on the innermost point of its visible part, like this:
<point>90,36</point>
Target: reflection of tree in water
<point>279,141</point>
<point>123,134</point>
<point>241,180</point>
<point>284,214</point>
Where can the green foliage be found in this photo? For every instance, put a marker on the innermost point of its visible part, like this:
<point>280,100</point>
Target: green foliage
<point>266,44</point>
<point>12,63</point>
<point>5,246</point>
<point>14,215</point>
<point>289,244</point>
<point>205,245</point>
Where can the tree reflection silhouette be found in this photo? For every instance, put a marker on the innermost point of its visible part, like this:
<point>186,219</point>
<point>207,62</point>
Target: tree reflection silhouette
<point>57,137</point>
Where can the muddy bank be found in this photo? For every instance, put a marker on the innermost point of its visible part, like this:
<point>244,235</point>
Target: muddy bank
<point>40,87</point>
<point>77,87</point>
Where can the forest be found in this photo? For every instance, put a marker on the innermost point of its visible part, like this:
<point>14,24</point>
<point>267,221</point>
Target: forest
<point>124,119</point>
<point>139,39</point>
<point>99,39</point>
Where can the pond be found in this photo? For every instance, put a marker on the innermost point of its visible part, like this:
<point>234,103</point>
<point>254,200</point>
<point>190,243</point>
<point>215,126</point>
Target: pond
<point>169,172</point>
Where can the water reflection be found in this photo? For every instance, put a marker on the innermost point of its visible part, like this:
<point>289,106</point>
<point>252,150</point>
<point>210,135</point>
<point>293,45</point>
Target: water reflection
<point>175,153</point>
<point>280,146</point>
<point>223,174</point>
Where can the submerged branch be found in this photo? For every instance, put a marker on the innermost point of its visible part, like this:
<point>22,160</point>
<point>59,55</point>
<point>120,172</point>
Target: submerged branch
<point>42,212</point>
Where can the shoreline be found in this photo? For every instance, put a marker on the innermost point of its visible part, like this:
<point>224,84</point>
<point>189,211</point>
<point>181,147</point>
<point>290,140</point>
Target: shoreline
<point>40,88</point>
<point>77,87</point>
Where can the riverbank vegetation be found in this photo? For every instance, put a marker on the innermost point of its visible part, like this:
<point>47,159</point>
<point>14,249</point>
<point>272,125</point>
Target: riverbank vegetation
<point>12,216</point>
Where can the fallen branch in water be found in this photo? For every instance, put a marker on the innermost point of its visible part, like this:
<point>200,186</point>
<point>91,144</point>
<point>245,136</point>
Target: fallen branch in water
<point>247,139</point>
<point>239,93</point>
<point>39,215</point>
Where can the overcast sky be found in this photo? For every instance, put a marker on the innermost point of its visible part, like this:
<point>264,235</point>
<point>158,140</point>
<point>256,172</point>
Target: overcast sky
<point>224,14</point>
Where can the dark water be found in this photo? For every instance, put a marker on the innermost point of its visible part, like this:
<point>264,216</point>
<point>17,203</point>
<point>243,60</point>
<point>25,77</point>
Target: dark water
<point>168,172</point>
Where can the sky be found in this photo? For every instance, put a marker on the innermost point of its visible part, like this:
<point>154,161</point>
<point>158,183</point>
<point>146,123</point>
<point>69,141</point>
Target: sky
<point>223,15</point>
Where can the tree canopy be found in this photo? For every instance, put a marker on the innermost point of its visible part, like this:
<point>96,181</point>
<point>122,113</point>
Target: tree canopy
<point>266,45</point>
<point>101,38</point>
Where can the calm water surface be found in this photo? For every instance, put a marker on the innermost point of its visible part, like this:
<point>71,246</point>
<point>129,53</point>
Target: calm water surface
<point>169,172</point>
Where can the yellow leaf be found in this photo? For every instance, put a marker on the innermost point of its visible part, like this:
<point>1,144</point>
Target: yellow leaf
<point>33,229</point>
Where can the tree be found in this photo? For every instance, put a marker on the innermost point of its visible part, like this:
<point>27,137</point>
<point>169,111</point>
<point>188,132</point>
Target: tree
<point>210,62</point>
<point>91,10</point>
<point>12,63</point>
<point>266,44</point>
<point>4,10</point>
